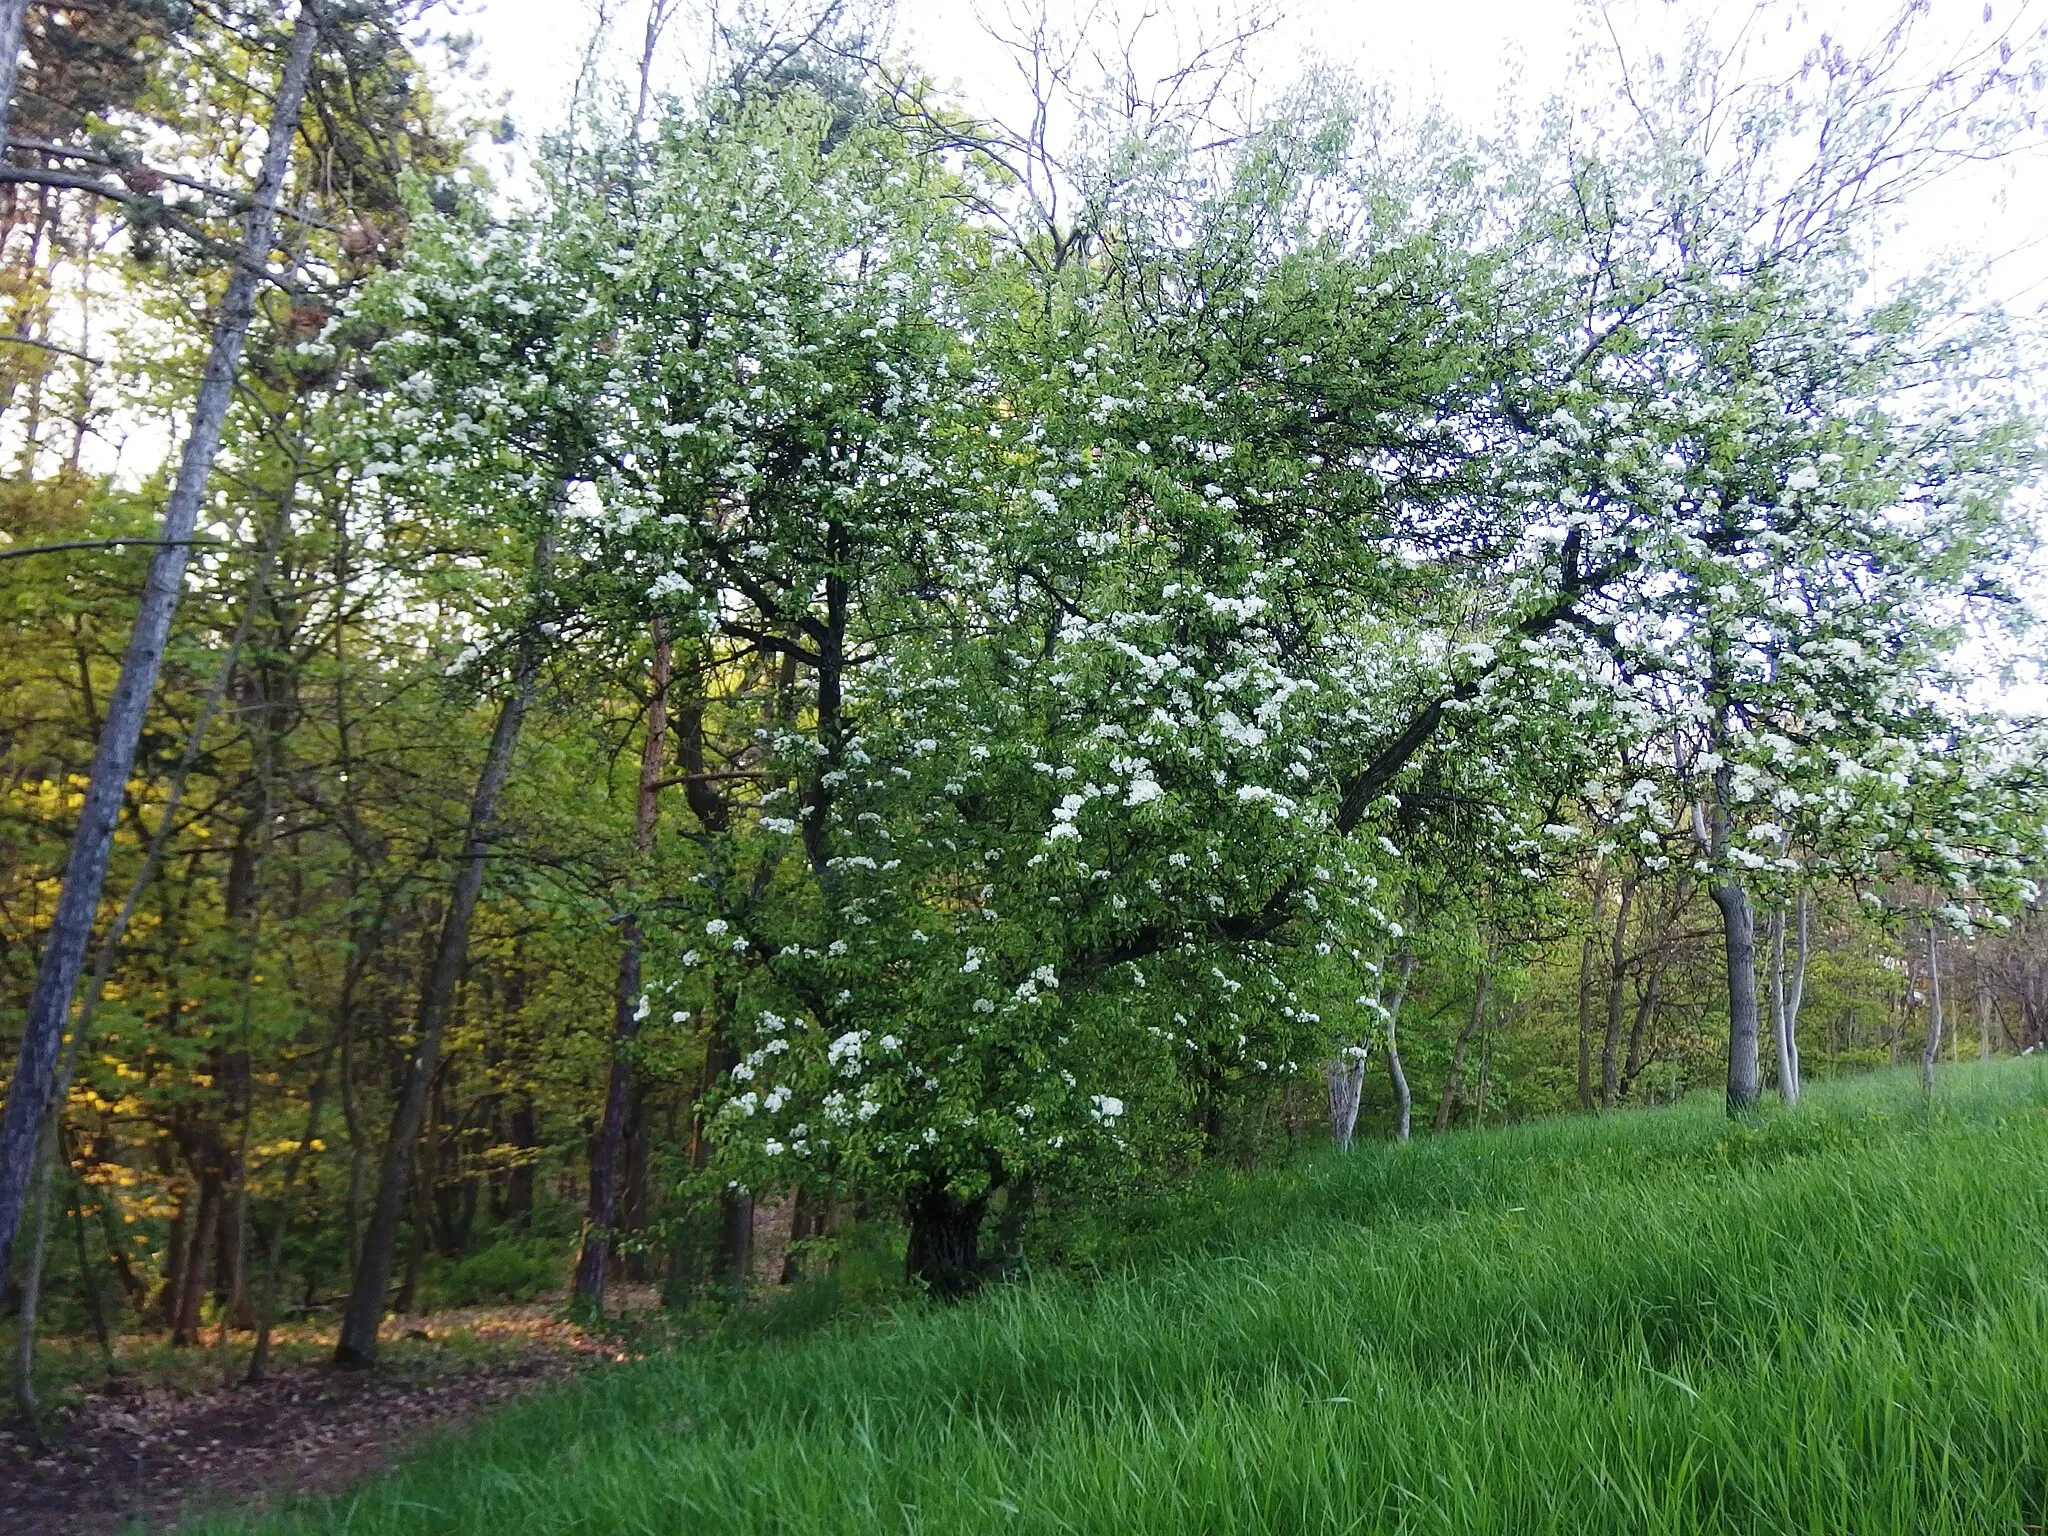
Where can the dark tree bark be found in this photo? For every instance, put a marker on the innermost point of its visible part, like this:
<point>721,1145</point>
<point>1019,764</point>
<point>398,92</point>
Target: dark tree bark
<point>944,1251</point>
<point>607,1156</point>
<point>1447,1100</point>
<point>1617,978</point>
<point>1983,981</point>
<point>1587,947</point>
<point>1639,1030</point>
<point>519,1182</point>
<point>33,1084</point>
<point>266,1316</point>
<point>192,1282</point>
<point>372,1281</point>
<point>735,1239</point>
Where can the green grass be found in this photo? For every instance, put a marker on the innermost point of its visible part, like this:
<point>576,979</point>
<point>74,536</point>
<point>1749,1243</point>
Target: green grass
<point>1831,1321</point>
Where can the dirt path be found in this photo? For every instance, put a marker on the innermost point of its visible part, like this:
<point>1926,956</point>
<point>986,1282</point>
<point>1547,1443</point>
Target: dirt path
<point>154,1452</point>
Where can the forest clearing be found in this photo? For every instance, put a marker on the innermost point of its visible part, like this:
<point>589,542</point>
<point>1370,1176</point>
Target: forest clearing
<point>1165,788</point>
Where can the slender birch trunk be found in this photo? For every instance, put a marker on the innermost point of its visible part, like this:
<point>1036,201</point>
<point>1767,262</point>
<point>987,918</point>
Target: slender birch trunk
<point>364,1313</point>
<point>33,1085</point>
<point>628,1010</point>
<point>1791,1071</point>
<point>1932,1052</point>
<point>1403,1099</point>
<point>1774,940</point>
<point>1786,994</point>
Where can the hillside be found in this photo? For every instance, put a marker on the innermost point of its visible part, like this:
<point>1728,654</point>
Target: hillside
<point>1831,1320</point>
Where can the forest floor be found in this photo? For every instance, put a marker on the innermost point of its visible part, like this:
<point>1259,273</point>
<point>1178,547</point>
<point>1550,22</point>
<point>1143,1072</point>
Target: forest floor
<point>1826,1319</point>
<point>176,1433</point>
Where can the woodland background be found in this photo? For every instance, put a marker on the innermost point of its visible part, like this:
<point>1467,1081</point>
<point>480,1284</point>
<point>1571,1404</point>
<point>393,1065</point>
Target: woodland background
<point>1391,314</point>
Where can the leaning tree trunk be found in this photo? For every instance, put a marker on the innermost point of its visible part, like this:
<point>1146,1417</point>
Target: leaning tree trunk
<point>944,1251</point>
<point>96,988</point>
<point>1932,1050</point>
<point>608,1155</point>
<point>33,1084</point>
<point>365,1310</point>
<point>1447,1100</point>
<point>25,1318</point>
<point>1639,1031</point>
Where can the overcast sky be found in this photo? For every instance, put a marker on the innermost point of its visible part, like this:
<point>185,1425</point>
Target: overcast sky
<point>1466,55</point>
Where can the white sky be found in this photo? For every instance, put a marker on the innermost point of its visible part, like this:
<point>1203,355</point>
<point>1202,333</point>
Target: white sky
<point>1465,55</point>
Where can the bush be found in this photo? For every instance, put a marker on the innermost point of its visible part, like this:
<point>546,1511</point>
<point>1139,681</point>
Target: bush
<point>505,1271</point>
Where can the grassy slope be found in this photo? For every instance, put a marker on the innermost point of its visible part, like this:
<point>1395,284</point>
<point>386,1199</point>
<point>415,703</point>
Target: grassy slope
<point>1834,1321</point>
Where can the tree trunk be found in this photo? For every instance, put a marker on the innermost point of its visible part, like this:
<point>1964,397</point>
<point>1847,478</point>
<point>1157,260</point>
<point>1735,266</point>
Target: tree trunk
<point>943,1254</point>
<point>1774,940</point>
<point>96,988</point>
<point>1403,1099</point>
<point>519,1181</point>
<point>1617,976</point>
<point>1738,933</point>
<point>1932,1052</point>
<point>372,1281</point>
<point>1344,1076</point>
<point>735,1238</point>
<point>1794,997</point>
<point>192,1283</point>
<point>32,1261</point>
<point>415,1256</point>
<point>1738,936</point>
<point>1448,1098</point>
<point>89,1277</point>
<point>266,1316</point>
<point>11,14</point>
<point>1587,946</point>
<point>628,1009</point>
<point>1785,999</point>
<point>174,1245</point>
<point>1639,1030</point>
<point>1485,1077</point>
<point>1983,1012</point>
<point>33,1084</point>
